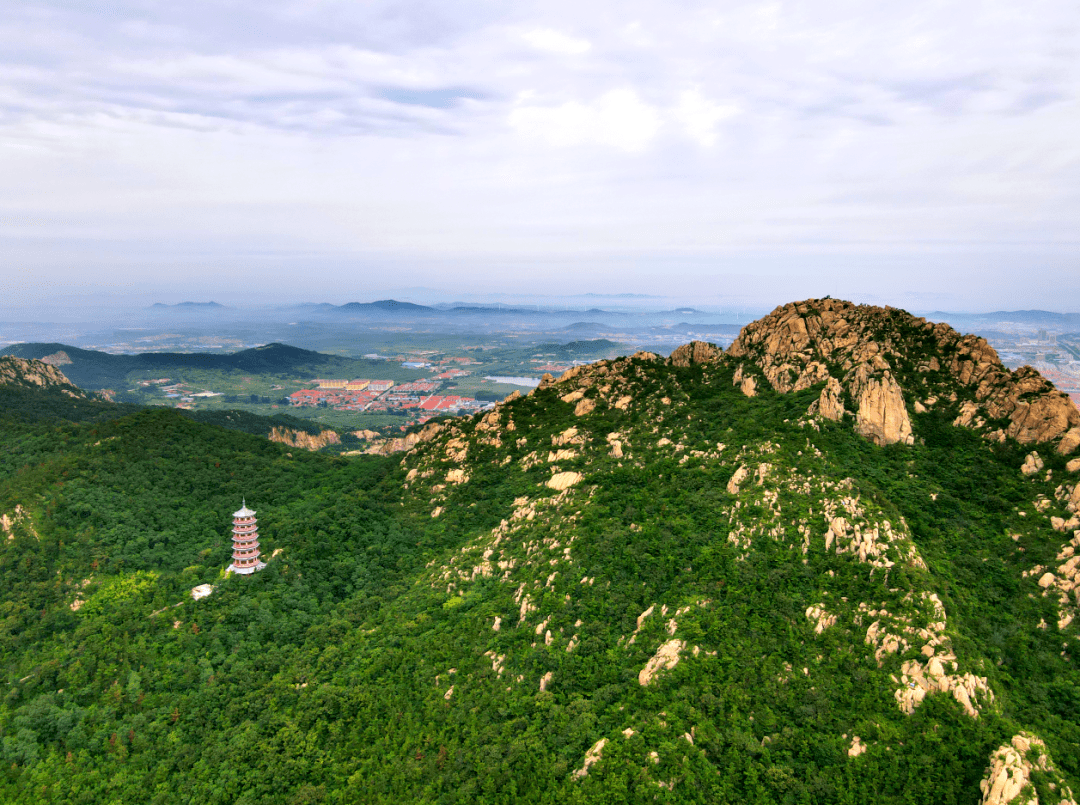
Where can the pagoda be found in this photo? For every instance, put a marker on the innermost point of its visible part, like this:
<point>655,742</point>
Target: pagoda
<point>245,542</point>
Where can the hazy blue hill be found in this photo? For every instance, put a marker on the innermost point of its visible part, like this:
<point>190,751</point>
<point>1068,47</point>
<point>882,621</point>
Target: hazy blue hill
<point>385,306</point>
<point>727,329</point>
<point>597,347</point>
<point>274,358</point>
<point>1033,317</point>
<point>586,325</point>
<point>499,310</point>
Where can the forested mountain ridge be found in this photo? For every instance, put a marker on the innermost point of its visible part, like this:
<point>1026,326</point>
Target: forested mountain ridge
<point>673,580</point>
<point>94,369</point>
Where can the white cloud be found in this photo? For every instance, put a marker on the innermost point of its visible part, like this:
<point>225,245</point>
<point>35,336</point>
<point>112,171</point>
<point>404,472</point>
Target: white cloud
<point>700,116</point>
<point>475,128</point>
<point>618,119</point>
<point>554,41</point>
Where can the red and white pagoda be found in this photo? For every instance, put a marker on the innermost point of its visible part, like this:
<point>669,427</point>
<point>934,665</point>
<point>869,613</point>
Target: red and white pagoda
<point>245,539</point>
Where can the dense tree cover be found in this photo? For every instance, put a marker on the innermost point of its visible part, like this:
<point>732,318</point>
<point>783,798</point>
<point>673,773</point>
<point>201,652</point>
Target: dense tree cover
<point>362,664</point>
<point>254,423</point>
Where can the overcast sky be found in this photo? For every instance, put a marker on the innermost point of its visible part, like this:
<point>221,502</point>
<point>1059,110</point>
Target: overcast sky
<point>923,154</point>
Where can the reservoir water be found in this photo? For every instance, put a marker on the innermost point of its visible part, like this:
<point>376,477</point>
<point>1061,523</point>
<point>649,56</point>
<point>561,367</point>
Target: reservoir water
<point>529,382</point>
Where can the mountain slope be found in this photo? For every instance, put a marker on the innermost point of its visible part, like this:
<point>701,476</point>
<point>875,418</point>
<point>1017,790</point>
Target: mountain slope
<point>681,580</point>
<point>33,391</point>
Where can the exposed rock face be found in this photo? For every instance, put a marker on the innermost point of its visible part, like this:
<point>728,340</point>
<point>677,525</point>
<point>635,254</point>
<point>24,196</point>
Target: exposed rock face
<point>19,517</point>
<point>919,679</point>
<point>1009,777</point>
<point>33,373</point>
<point>882,416</point>
<point>746,382</point>
<point>591,757</point>
<point>58,358</point>
<point>563,480</point>
<point>1069,442</point>
<point>869,350</point>
<point>306,441</point>
<point>202,591</point>
<point>821,617</point>
<point>736,480</point>
<point>667,656</point>
<point>830,404</point>
<point>584,407</point>
<point>457,476</point>
<point>695,352</point>
<point>407,442</point>
<point>1032,464</point>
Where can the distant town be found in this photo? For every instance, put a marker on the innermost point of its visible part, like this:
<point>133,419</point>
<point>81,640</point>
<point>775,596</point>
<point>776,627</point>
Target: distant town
<point>417,396</point>
<point>456,386</point>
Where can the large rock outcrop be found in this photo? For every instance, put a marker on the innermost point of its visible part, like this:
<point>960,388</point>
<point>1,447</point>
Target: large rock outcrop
<point>36,374</point>
<point>696,352</point>
<point>305,441</point>
<point>1009,780</point>
<point>401,444</point>
<point>886,359</point>
<point>881,415</point>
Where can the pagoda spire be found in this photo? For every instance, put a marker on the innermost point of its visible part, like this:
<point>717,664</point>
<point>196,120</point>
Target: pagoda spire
<point>245,539</point>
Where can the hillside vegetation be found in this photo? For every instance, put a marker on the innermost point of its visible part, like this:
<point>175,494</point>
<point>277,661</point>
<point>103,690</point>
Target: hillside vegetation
<point>833,564</point>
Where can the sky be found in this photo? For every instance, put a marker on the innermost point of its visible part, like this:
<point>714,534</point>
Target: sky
<point>921,154</point>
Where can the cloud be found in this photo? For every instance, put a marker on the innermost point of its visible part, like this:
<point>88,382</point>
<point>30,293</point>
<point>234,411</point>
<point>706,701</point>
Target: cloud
<point>617,119</point>
<point>700,116</point>
<point>580,132</point>
<point>556,42</point>
<point>435,98</point>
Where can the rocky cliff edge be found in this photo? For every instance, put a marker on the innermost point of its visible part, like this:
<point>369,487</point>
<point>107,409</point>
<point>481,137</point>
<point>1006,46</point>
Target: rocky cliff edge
<point>887,363</point>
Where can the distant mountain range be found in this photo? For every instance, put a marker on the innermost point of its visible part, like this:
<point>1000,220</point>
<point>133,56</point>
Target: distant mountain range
<point>1034,317</point>
<point>385,307</point>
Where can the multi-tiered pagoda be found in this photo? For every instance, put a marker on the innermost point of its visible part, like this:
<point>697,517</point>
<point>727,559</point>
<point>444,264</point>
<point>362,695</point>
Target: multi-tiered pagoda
<point>245,542</point>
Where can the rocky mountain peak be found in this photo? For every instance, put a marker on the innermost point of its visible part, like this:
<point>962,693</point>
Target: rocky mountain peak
<point>35,374</point>
<point>891,363</point>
